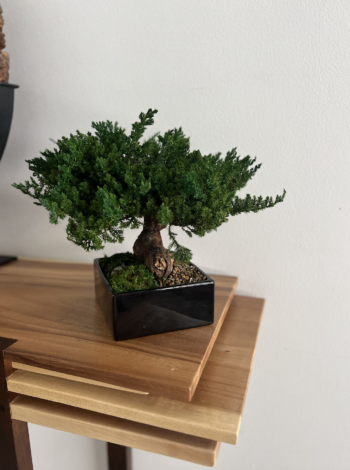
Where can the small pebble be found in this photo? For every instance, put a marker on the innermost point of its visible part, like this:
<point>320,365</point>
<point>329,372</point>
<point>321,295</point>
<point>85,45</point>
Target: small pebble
<point>182,274</point>
<point>119,268</point>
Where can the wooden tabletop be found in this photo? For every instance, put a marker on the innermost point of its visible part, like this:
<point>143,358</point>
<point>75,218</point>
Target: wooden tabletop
<point>50,309</point>
<point>216,409</point>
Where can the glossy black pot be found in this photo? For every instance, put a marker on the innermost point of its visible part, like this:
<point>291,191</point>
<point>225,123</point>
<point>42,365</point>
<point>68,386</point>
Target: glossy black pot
<point>7,96</point>
<point>154,311</point>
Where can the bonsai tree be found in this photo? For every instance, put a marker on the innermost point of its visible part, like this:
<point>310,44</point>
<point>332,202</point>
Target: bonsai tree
<point>110,180</point>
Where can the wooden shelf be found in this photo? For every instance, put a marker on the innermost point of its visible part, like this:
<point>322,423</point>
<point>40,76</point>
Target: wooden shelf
<point>50,309</point>
<point>115,430</point>
<point>51,373</point>
<point>69,374</point>
<point>216,409</point>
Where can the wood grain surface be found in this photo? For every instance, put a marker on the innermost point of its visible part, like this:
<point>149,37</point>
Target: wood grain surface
<point>115,430</point>
<point>38,370</point>
<point>216,409</point>
<point>50,309</point>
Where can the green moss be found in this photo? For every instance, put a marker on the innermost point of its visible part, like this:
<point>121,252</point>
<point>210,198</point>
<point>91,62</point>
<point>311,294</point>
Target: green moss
<point>133,275</point>
<point>108,264</point>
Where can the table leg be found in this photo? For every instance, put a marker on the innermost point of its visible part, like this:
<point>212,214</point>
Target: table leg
<point>118,457</point>
<point>15,453</point>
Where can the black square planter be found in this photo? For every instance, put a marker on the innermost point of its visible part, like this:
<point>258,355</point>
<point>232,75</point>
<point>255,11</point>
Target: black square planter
<point>154,311</point>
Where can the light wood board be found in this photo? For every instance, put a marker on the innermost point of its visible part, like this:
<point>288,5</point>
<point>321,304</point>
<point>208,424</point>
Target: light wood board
<point>217,406</point>
<point>115,430</point>
<point>50,308</point>
<point>52,373</point>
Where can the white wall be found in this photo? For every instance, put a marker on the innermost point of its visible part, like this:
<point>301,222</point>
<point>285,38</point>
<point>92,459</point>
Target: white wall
<point>270,77</point>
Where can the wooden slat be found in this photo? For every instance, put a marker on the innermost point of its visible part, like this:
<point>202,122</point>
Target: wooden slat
<point>217,406</point>
<point>50,308</point>
<point>52,373</point>
<point>115,430</point>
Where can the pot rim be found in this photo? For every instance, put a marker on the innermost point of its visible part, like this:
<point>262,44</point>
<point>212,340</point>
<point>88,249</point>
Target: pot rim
<point>9,85</point>
<point>209,280</point>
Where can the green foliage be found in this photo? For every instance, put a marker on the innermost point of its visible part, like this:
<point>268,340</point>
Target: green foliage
<point>109,181</point>
<point>134,275</point>
<point>180,253</point>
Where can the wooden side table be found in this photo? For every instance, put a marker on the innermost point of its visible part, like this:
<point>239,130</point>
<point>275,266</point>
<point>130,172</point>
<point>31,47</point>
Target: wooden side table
<point>179,394</point>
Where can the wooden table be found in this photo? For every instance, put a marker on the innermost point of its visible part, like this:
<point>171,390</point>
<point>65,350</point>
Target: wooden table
<point>178,394</point>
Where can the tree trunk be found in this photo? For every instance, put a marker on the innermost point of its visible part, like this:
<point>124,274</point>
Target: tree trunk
<point>149,249</point>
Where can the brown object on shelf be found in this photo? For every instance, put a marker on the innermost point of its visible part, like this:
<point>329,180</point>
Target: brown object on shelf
<point>2,35</point>
<point>50,308</point>
<point>217,406</point>
<point>115,430</point>
<point>4,67</point>
<point>4,57</point>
